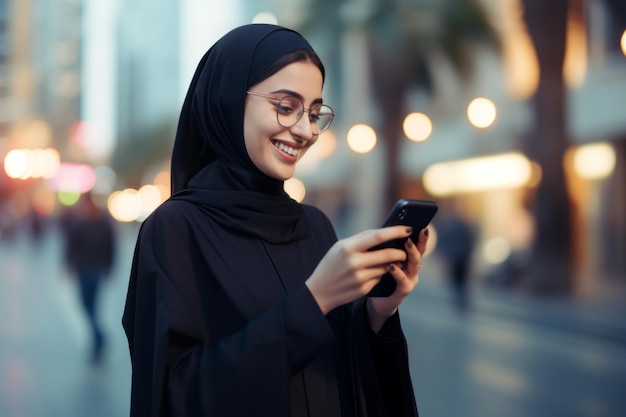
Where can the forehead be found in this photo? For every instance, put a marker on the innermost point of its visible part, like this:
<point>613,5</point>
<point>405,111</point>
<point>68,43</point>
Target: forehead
<point>302,77</point>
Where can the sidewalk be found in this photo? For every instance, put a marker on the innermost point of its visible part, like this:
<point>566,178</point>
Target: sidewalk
<point>597,314</point>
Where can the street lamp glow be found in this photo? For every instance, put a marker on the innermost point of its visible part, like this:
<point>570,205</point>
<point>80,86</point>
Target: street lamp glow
<point>361,138</point>
<point>481,112</point>
<point>623,42</point>
<point>417,127</point>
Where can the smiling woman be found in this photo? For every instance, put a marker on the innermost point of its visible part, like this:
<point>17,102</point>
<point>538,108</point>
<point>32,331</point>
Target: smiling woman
<point>241,300</point>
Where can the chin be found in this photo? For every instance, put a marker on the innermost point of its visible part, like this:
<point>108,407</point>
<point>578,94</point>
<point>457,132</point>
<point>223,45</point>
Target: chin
<point>280,175</point>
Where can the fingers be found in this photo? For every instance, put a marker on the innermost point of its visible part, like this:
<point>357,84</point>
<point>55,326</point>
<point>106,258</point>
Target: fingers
<point>374,237</point>
<point>422,240</point>
<point>415,252</point>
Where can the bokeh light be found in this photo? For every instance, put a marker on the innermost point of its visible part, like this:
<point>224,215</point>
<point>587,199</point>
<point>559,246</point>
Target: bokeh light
<point>150,198</point>
<point>105,180</point>
<point>594,161</point>
<point>16,164</point>
<point>361,138</point>
<point>32,163</point>
<point>417,127</point>
<point>481,112</point>
<point>576,50</point>
<point>46,162</point>
<point>73,177</point>
<point>68,198</point>
<point>295,188</point>
<point>125,206</point>
<point>623,42</point>
<point>478,174</point>
<point>496,250</point>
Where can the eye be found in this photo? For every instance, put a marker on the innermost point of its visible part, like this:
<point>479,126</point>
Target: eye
<point>287,105</point>
<point>314,113</point>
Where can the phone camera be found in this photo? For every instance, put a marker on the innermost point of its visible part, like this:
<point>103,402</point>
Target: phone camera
<point>402,214</point>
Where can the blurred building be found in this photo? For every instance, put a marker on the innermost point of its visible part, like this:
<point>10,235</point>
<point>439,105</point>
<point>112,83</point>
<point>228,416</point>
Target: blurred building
<point>4,67</point>
<point>148,45</point>
<point>42,45</point>
<point>104,81</point>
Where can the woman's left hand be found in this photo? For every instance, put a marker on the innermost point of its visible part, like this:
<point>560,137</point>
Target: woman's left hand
<point>379,309</point>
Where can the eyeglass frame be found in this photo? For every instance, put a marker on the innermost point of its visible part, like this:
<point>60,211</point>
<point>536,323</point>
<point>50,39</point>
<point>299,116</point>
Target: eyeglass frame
<point>304,109</point>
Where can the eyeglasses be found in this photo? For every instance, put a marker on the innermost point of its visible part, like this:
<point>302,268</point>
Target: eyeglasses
<point>289,111</point>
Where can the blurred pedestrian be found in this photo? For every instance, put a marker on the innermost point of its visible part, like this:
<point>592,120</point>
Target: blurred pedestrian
<point>241,301</point>
<point>89,255</point>
<point>455,243</point>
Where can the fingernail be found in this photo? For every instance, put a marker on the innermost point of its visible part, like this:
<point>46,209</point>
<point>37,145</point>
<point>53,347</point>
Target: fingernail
<point>409,230</point>
<point>392,267</point>
<point>409,243</point>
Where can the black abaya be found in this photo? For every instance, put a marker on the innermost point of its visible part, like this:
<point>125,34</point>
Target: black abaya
<point>223,325</point>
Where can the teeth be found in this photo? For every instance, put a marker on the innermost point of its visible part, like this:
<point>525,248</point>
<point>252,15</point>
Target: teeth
<point>287,149</point>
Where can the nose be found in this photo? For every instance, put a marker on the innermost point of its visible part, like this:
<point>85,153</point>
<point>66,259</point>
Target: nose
<point>304,127</point>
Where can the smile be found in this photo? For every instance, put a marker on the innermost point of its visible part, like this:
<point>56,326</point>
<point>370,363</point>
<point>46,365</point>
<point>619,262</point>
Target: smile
<point>285,148</point>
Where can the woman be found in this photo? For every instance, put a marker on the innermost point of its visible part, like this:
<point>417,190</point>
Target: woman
<point>241,301</point>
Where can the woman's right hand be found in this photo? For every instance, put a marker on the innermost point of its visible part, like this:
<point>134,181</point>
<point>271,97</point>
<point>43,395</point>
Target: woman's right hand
<point>349,270</point>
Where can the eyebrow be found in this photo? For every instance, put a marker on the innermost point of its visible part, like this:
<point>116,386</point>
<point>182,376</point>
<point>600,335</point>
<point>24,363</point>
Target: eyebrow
<point>296,95</point>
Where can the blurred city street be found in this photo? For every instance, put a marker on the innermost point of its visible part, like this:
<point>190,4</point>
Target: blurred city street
<point>508,114</point>
<point>509,356</point>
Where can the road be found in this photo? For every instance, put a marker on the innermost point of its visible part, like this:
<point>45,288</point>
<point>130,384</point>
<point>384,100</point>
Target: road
<point>477,364</point>
<point>486,365</point>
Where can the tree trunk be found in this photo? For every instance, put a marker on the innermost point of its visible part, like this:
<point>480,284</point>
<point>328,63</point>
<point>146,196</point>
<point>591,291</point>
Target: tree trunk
<point>551,267</point>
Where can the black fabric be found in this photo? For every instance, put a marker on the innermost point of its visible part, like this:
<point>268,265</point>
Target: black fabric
<point>218,318</point>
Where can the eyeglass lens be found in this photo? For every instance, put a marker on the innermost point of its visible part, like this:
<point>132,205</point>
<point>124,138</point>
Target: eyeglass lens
<point>291,109</point>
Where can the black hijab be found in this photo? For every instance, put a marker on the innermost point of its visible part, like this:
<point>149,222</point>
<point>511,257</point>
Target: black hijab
<point>210,164</point>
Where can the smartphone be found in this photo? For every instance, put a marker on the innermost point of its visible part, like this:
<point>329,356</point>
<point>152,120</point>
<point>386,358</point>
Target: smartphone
<point>415,213</point>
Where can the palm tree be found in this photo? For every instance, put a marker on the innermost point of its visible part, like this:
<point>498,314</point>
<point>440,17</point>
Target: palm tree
<point>550,270</point>
<point>402,37</point>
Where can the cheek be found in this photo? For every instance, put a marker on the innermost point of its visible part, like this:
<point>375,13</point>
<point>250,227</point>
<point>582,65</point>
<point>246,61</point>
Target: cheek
<point>309,146</point>
<point>256,133</point>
